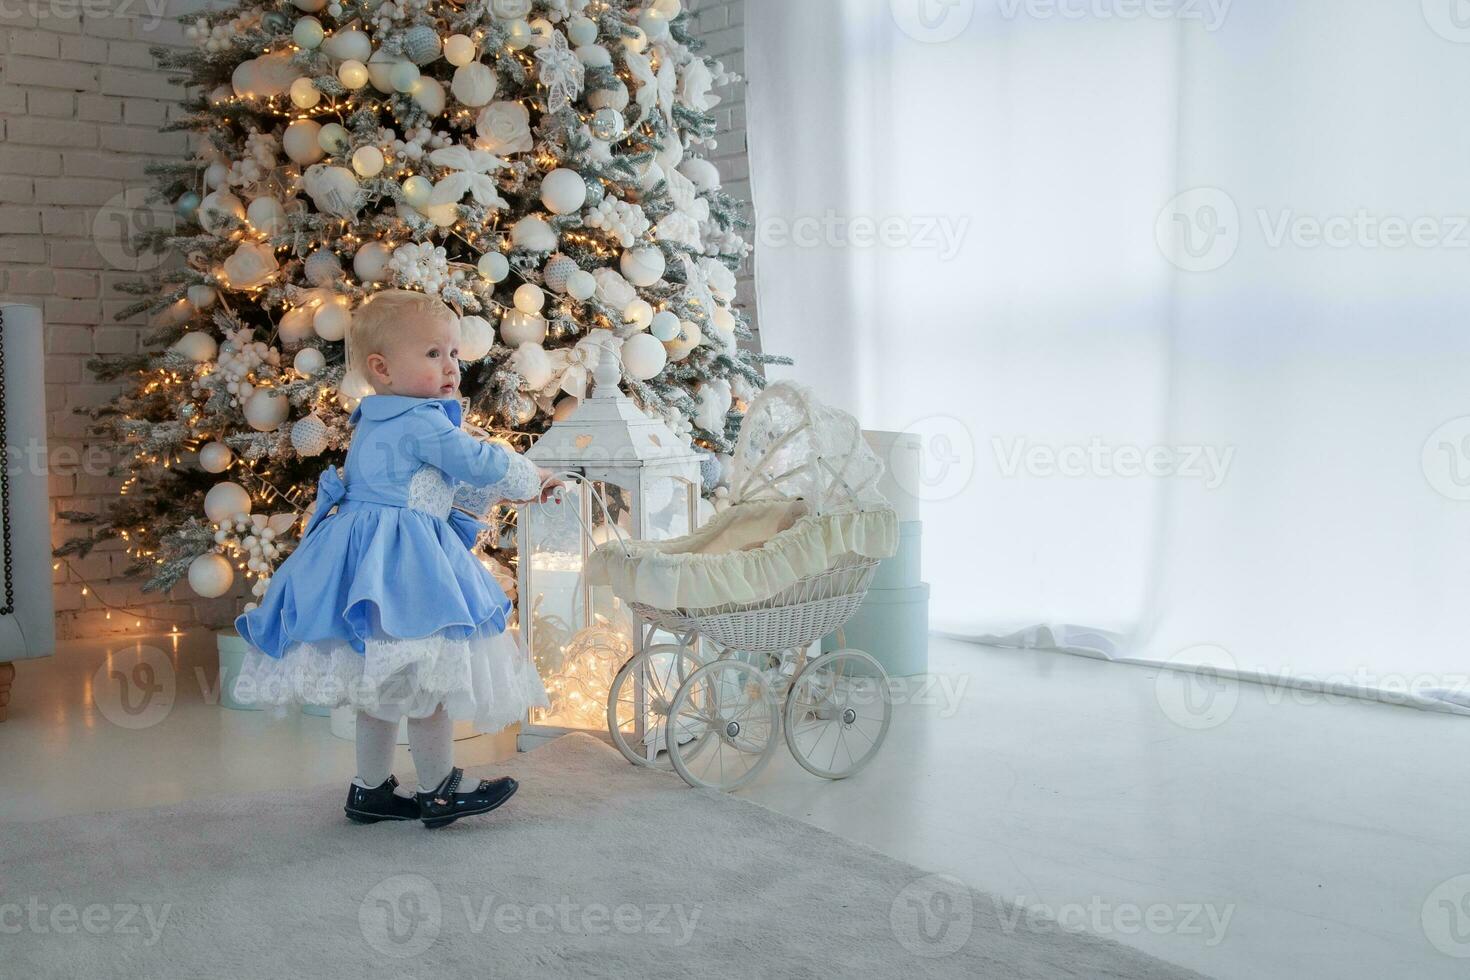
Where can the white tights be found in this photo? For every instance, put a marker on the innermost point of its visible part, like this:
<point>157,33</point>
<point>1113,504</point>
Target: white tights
<point>430,741</point>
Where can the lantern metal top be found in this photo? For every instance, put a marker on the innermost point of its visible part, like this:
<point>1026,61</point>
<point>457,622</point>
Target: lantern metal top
<point>608,431</point>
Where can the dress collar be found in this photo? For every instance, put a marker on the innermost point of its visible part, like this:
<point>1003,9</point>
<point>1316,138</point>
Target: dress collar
<point>376,408</point>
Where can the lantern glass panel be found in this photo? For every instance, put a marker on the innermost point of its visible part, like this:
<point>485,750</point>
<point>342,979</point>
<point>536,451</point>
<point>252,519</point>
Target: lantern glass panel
<point>579,636</point>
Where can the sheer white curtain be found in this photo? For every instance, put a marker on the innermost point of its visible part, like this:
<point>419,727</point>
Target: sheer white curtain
<point>1208,429</point>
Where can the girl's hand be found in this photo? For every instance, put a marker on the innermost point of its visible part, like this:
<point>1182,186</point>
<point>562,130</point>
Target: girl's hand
<point>549,484</point>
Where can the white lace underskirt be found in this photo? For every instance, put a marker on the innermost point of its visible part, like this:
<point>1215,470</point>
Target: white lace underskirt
<point>488,678</point>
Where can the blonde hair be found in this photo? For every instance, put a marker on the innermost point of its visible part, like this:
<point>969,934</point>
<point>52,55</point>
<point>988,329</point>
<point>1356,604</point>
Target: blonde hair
<point>384,316</point>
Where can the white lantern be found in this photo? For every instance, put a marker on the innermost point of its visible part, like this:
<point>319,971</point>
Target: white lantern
<point>580,636</point>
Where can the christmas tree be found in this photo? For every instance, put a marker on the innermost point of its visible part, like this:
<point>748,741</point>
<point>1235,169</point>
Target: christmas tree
<point>534,163</point>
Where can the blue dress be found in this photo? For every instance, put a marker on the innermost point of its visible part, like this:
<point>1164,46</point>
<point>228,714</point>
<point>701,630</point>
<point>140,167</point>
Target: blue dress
<point>382,605</point>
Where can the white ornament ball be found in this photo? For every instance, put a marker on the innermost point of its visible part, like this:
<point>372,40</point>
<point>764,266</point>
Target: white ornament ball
<point>303,141</point>
<point>607,124</point>
<point>215,457</point>
<point>215,175</point>
<point>295,325</point>
<point>637,41</point>
<point>334,138</point>
<point>429,94</point>
<point>202,297</point>
<point>594,56</point>
<point>353,388</point>
<point>581,30</point>
<point>224,501</point>
<point>459,50</point>
<point>331,321</point>
<point>638,314</point>
<point>533,235</point>
<point>266,410</point>
<point>371,262</point>
<point>304,94</point>
<point>308,32</point>
<point>309,436</point>
<point>643,356</point>
<point>529,298</point>
<point>353,74</point>
<point>559,269</point>
<point>665,326</point>
<point>223,202</point>
<point>518,34</point>
<point>403,75</point>
<point>348,45</point>
<point>581,285</point>
<point>688,339</point>
<point>416,190</point>
<point>531,362</point>
<point>380,69</point>
<point>267,215</point>
<point>474,84</point>
<point>654,25</point>
<point>564,408</point>
<point>476,337</point>
<point>367,161</point>
<point>211,575</point>
<point>563,191</point>
<point>322,267</point>
<point>517,328</point>
<point>494,266</point>
<point>197,346</point>
<point>309,362</point>
<point>609,98</point>
<point>421,44</point>
<point>510,9</point>
<point>669,9</point>
<point>642,266</point>
<point>310,6</point>
<point>703,174</point>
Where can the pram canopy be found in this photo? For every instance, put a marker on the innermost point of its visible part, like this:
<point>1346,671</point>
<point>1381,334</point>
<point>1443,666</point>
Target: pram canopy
<point>804,495</point>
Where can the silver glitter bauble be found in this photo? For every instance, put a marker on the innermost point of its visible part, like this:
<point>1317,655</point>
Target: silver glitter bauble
<point>309,436</point>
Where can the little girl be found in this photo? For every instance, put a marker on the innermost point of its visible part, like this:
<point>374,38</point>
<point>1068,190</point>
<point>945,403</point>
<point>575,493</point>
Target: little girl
<point>382,606</point>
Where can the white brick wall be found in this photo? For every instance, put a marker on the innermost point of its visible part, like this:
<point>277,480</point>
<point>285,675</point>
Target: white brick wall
<point>80,107</point>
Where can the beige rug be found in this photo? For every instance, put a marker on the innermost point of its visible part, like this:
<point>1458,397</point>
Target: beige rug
<point>595,869</point>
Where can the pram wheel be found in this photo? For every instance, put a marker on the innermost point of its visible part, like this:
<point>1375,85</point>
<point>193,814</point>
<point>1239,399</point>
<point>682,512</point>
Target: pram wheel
<point>837,713</point>
<point>732,713</point>
<point>640,731</point>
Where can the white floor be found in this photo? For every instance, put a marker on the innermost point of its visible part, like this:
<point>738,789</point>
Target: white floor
<point>1288,840</point>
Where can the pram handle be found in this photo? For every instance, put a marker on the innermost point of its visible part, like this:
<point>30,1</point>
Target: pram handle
<point>596,495</point>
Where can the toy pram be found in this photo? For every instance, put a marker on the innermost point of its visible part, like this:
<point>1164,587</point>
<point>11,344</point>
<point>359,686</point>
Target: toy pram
<point>785,564</point>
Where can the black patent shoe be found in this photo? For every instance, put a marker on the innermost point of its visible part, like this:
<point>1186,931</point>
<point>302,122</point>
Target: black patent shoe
<point>444,805</point>
<point>372,805</point>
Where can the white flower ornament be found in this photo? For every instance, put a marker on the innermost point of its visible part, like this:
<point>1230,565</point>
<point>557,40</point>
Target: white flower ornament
<point>561,72</point>
<point>475,169</point>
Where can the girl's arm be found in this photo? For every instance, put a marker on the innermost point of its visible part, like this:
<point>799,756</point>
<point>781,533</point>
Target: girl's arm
<point>463,458</point>
<point>522,481</point>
